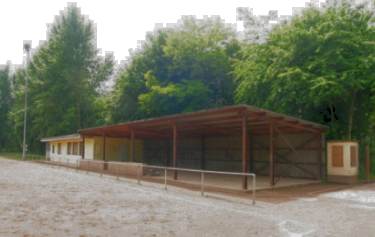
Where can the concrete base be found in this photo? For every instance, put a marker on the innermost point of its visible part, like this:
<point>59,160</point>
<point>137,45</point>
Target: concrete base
<point>233,182</point>
<point>222,181</point>
<point>118,168</point>
<point>91,166</point>
<point>342,179</point>
<point>131,169</point>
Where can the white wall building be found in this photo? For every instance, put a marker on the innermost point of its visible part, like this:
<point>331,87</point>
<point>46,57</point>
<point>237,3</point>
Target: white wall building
<point>66,149</point>
<point>72,148</point>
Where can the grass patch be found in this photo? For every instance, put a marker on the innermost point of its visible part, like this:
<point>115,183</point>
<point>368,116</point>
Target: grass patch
<point>18,156</point>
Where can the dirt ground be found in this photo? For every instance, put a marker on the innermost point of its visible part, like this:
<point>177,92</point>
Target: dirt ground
<point>42,200</point>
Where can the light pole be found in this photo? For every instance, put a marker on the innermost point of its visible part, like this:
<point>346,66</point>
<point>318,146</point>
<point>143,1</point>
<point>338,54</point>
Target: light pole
<point>26,49</point>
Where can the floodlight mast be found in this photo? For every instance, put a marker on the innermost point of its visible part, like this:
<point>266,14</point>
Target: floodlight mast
<point>26,49</point>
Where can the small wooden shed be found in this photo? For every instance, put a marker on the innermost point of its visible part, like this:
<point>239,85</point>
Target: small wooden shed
<point>343,162</point>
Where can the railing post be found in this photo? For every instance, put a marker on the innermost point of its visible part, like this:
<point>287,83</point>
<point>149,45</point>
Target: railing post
<point>202,183</point>
<point>165,178</point>
<point>254,188</point>
<point>367,163</point>
<point>102,170</point>
<point>139,174</point>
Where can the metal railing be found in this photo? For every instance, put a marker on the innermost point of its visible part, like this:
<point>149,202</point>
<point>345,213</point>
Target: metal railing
<point>141,166</point>
<point>202,176</point>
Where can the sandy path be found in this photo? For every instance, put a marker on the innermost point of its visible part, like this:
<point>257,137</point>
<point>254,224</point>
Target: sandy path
<point>40,200</point>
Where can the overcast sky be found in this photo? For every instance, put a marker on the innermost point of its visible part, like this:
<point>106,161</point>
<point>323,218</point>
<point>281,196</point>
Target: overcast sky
<point>120,24</point>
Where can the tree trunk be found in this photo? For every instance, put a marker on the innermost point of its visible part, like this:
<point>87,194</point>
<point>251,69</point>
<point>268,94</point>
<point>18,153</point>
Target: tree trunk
<point>332,114</point>
<point>351,115</point>
<point>79,118</point>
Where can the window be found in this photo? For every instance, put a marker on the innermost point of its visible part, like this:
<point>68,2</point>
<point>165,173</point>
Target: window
<point>59,148</point>
<point>353,156</point>
<point>69,148</point>
<point>75,148</point>
<point>337,156</point>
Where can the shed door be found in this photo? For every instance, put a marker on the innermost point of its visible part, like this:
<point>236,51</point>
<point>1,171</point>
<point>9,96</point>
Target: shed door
<point>337,156</point>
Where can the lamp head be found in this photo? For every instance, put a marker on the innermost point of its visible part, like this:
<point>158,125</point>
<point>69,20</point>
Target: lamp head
<point>26,46</point>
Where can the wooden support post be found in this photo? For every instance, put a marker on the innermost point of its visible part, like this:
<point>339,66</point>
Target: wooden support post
<point>174,150</point>
<point>320,156</point>
<point>83,147</point>
<point>271,156</point>
<point>103,155</point>
<point>252,154</point>
<point>203,153</point>
<point>324,154</point>
<point>245,151</point>
<point>166,151</point>
<point>105,166</point>
<point>169,153</point>
<point>131,149</point>
<point>368,165</point>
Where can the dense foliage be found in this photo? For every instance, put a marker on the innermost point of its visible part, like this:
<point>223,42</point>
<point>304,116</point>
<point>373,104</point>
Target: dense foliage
<point>179,69</point>
<point>64,76</point>
<point>5,106</point>
<point>320,66</point>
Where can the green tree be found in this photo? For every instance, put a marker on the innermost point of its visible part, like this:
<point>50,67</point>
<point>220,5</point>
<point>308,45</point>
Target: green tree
<point>320,66</point>
<point>65,79</point>
<point>5,106</point>
<point>178,69</point>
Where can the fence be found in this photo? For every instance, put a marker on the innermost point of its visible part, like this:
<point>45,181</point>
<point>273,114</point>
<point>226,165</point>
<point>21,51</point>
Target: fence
<point>202,176</point>
<point>137,170</point>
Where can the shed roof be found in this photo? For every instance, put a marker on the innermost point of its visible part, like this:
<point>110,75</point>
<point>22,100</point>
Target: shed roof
<point>74,136</point>
<point>219,121</point>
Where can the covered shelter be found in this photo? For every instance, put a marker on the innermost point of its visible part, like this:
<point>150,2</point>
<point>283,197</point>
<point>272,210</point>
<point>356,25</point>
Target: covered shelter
<point>238,138</point>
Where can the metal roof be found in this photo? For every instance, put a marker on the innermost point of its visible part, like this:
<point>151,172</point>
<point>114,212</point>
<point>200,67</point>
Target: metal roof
<point>75,136</point>
<point>218,121</point>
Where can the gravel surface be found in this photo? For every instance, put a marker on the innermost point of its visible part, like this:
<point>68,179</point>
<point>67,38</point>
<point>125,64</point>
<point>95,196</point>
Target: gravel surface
<point>42,200</point>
